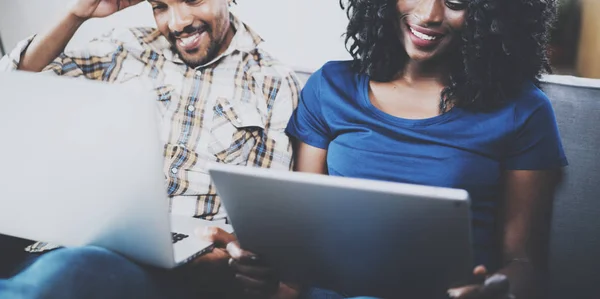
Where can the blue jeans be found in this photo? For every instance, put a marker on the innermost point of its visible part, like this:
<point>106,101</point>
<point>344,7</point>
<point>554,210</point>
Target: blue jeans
<point>93,272</point>
<point>326,294</point>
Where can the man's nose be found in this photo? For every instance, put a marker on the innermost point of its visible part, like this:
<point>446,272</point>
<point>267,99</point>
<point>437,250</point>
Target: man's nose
<point>179,18</point>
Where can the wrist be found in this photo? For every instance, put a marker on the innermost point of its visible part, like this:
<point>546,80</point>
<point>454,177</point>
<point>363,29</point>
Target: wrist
<point>74,20</point>
<point>523,278</point>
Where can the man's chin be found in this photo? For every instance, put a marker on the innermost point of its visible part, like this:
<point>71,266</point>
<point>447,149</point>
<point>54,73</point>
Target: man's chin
<point>193,59</point>
<point>198,56</point>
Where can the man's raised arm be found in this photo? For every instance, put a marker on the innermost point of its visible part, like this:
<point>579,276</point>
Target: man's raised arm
<point>46,47</point>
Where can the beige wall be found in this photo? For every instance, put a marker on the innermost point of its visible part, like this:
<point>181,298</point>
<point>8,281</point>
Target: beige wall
<point>588,62</point>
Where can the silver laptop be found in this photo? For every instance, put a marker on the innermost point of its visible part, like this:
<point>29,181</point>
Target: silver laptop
<point>83,165</point>
<point>357,237</point>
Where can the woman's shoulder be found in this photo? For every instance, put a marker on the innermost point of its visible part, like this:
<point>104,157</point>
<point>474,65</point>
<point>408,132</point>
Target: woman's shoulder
<point>336,77</point>
<point>529,99</point>
<point>336,72</point>
<point>517,109</point>
<point>338,66</point>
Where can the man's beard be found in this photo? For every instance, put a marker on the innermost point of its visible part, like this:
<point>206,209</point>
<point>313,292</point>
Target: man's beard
<point>211,51</point>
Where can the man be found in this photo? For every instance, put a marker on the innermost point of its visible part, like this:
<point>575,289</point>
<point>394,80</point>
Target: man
<point>222,99</point>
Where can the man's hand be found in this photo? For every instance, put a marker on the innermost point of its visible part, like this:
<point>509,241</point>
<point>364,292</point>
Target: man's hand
<point>218,258</point>
<point>87,9</point>
<point>494,287</point>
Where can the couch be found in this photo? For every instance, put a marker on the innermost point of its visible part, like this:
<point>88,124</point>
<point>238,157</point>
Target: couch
<point>574,252</point>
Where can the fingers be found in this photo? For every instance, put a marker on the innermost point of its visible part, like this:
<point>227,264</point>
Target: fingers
<point>215,257</point>
<point>122,4</point>
<point>216,235</point>
<point>480,271</point>
<point>239,254</point>
<point>466,292</point>
<point>496,286</point>
<point>480,274</point>
<point>256,279</point>
<point>251,270</point>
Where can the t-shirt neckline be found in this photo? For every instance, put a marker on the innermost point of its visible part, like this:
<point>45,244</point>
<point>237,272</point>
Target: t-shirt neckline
<point>365,101</point>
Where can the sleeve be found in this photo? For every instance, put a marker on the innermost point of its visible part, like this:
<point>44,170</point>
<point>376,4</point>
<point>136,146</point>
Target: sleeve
<point>537,144</point>
<point>99,60</point>
<point>307,123</point>
<point>273,148</point>
<point>10,61</point>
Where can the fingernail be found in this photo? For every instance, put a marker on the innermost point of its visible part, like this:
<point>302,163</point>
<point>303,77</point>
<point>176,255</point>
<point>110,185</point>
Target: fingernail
<point>233,250</point>
<point>454,293</point>
<point>496,278</point>
<point>202,231</point>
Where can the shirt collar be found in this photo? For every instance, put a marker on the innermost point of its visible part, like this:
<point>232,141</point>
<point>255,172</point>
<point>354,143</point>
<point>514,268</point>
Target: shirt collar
<point>244,40</point>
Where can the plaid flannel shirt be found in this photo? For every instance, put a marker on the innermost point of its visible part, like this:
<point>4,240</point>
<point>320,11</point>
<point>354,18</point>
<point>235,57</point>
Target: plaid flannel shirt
<point>232,110</point>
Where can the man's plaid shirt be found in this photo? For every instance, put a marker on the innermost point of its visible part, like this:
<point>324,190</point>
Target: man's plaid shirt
<point>232,110</point>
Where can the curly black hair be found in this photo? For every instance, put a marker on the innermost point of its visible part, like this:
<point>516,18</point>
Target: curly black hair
<point>503,46</point>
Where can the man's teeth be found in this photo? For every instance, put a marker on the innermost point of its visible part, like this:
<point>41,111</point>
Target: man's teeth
<point>187,40</point>
<point>422,35</point>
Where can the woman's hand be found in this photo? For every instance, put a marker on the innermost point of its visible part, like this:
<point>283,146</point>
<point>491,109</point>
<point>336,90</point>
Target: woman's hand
<point>493,287</point>
<point>257,279</point>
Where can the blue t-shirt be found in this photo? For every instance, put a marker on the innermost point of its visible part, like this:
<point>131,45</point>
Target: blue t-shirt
<point>459,149</point>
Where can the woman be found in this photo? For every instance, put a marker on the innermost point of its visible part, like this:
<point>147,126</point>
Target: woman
<point>443,92</point>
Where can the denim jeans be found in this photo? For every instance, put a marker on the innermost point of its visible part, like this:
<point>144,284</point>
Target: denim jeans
<point>93,272</point>
<point>89,272</point>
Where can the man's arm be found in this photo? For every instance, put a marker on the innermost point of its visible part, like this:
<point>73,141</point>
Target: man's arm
<point>44,48</point>
<point>37,53</point>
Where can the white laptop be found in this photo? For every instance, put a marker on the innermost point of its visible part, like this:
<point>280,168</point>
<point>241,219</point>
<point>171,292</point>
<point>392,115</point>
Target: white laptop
<point>357,237</point>
<point>82,164</point>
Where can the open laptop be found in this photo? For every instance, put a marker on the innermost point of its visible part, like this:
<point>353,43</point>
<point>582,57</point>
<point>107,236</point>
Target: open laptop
<point>82,164</point>
<point>357,237</point>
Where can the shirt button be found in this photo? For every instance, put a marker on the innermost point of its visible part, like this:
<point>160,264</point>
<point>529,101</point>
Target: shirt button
<point>191,108</point>
<point>174,170</point>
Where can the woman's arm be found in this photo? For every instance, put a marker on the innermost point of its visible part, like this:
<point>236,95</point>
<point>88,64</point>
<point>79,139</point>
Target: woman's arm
<point>526,217</point>
<point>309,158</point>
<point>526,211</point>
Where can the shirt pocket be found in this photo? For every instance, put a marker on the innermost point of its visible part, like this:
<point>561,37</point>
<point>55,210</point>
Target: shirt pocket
<point>234,131</point>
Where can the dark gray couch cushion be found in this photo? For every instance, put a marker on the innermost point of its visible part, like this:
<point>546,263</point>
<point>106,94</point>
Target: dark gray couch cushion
<point>575,238</point>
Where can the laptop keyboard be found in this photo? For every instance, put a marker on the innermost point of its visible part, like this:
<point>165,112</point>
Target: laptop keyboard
<point>178,237</point>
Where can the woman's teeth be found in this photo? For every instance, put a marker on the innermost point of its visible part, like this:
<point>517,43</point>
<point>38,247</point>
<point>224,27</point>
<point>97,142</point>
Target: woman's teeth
<point>422,35</point>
